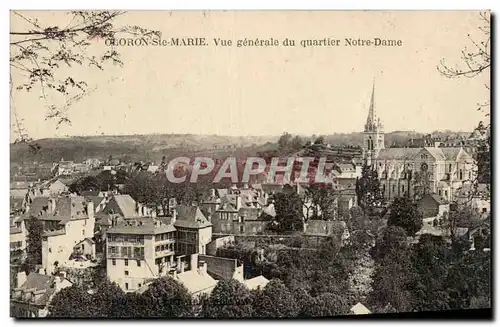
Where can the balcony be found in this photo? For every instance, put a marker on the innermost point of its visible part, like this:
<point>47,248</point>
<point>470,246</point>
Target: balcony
<point>121,256</point>
<point>164,253</point>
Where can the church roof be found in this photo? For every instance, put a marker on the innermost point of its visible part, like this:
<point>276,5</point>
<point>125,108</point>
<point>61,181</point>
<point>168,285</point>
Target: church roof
<point>397,153</point>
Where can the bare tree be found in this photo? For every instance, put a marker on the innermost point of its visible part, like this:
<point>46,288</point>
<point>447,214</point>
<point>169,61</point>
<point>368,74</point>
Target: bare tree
<point>476,59</point>
<point>44,57</point>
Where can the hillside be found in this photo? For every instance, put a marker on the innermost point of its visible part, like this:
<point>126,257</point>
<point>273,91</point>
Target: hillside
<point>154,146</point>
<point>134,147</point>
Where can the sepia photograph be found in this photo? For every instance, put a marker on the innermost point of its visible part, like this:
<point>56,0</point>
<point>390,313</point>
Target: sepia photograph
<point>227,164</point>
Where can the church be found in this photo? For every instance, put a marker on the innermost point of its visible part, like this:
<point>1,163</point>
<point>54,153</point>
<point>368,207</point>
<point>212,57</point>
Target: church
<point>444,169</point>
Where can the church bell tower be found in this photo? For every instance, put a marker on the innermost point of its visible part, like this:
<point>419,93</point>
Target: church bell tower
<point>373,133</point>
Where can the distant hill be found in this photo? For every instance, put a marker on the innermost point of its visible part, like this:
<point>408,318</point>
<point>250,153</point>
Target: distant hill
<point>154,146</point>
<point>134,147</point>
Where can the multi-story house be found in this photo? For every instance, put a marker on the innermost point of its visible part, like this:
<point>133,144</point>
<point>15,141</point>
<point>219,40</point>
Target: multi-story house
<point>194,230</point>
<point>139,249</point>
<point>32,297</point>
<point>17,239</point>
<point>67,220</point>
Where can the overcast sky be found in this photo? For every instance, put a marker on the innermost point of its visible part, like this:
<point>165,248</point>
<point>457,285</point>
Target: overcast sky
<point>266,91</point>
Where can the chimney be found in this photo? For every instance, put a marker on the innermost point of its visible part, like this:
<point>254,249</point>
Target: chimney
<point>90,209</point>
<point>21,278</point>
<point>174,217</point>
<point>179,264</point>
<point>238,202</point>
<point>52,206</point>
<point>194,261</point>
<point>202,266</point>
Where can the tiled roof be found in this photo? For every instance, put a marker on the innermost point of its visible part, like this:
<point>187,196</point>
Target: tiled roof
<point>438,199</point>
<point>39,283</point>
<point>227,206</point>
<point>96,200</point>
<point>397,153</point>
<point>15,230</point>
<point>196,281</point>
<point>141,226</point>
<point>67,208</point>
<point>19,185</point>
<point>360,309</point>
<point>18,193</point>
<point>437,153</point>
<point>126,204</point>
<point>190,217</point>
<point>256,282</point>
<point>451,153</point>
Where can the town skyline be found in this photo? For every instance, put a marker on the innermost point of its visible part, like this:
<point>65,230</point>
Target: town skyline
<point>264,91</point>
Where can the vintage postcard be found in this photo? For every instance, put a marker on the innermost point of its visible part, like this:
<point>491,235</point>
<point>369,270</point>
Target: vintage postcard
<point>250,164</point>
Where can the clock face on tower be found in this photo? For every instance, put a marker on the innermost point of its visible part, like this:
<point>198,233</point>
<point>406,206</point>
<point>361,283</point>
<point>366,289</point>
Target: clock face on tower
<point>423,167</point>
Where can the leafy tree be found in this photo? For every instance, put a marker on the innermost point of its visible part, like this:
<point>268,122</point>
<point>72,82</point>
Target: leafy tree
<point>229,299</point>
<point>87,183</point>
<point>403,213</point>
<point>106,298</point>
<point>327,305</point>
<point>72,302</point>
<point>421,184</point>
<point>297,143</point>
<point>393,240</point>
<point>144,188</point>
<point>34,229</point>
<point>40,56</point>
<point>289,213</point>
<point>166,297</point>
<point>369,191</point>
<point>320,140</point>
<point>274,301</point>
<point>391,282</point>
<point>324,198</point>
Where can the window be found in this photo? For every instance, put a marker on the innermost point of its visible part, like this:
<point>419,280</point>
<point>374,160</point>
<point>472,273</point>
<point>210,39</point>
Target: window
<point>393,188</point>
<point>139,285</point>
<point>403,188</point>
<point>126,272</point>
<point>461,174</point>
<point>242,228</point>
<point>138,263</point>
<point>126,262</point>
<point>449,168</point>
<point>113,262</point>
<point>139,252</point>
<point>50,250</point>
<point>126,286</point>
<point>440,192</point>
<point>446,193</point>
<point>484,210</point>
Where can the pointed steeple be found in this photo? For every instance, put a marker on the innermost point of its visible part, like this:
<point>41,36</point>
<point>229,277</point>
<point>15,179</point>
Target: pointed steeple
<point>371,120</point>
